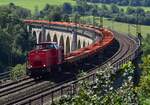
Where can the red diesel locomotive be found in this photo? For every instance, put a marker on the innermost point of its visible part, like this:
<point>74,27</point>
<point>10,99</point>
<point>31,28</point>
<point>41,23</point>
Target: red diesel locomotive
<point>44,58</point>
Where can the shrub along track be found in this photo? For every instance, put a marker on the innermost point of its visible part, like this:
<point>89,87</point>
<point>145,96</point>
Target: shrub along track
<point>126,46</point>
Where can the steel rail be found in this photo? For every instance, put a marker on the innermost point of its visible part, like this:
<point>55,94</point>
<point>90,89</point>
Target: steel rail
<point>121,57</point>
<point>71,87</point>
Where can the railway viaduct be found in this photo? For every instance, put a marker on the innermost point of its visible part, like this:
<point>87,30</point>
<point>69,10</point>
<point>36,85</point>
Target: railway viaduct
<point>129,49</point>
<point>63,38</point>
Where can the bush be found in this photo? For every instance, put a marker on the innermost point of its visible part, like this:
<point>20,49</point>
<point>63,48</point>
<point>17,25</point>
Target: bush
<point>18,71</point>
<point>103,92</point>
<point>143,89</point>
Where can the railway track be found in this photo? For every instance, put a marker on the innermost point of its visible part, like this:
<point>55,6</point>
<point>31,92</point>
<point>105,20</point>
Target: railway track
<point>22,89</point>
<point>122,53</point>
<point>128,45</point>
<point>4,76</point>
<point>10,88</point>
<point>126,54</point>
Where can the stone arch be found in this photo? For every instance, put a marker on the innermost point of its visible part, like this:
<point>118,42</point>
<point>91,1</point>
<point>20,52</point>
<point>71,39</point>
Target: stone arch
<point>34,34</point>
<point>55,38</point>
<point>67,45</point>
<point>61,42</point>
<point>79,44</point>
<point>84,44</point>
<point>40,37</point>
<point>48,38</point>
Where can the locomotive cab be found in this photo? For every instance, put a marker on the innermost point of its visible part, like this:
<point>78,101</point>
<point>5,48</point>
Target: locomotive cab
<point>45,57</point>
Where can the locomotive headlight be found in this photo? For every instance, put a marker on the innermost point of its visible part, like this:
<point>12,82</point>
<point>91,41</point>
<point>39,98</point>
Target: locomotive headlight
<point>44,65</point>
<point>29,66</point>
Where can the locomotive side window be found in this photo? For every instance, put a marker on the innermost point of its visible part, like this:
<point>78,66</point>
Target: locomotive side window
<point>56,46</point>
<point>50,46</point>
<point>47,46</point>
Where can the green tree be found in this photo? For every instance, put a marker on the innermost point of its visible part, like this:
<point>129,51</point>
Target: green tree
<point>140,11</point>
<point>67,8</point>
<point>5,47</point>
<point>37,12</point>
<point>146,45</point>
<point>104,7</point>
<point>130,10</point>
<point>56,16</point>
<point>47,7</point>
<point>114,8</point>
<point>146,2</point>
<point>143,89</point>
<point>135,3</point>
<point>11,29</point>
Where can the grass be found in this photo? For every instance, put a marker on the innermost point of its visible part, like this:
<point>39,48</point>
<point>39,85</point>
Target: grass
<point>119,26</point>
<point>31,4</point>
<point>123,27</point>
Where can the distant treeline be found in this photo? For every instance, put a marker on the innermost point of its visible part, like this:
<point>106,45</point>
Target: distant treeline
<point>62,13</point>
<point>124,2</point>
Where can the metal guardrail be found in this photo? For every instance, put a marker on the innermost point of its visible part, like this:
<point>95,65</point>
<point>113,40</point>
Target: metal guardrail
<point>72,87</point>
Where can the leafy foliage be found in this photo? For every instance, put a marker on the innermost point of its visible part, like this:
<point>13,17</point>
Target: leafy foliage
<point>143,89</point>
<point>18,71</point>
<point>146,45</point>
<point>13,35</point>
<point>103,93</point>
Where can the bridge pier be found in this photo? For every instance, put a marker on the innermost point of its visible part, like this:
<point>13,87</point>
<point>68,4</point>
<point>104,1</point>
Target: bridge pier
<point>74,41</point>
<point>43,31</point>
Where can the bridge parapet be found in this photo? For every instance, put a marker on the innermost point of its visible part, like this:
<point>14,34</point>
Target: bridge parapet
<point>63,34</point>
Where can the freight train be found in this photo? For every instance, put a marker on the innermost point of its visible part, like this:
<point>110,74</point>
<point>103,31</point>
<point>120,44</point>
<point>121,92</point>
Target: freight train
<point>49,56</point>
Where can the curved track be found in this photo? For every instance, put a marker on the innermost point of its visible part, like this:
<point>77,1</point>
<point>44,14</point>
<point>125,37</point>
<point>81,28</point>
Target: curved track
<point>127,46</point>
<point>21,92</point>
